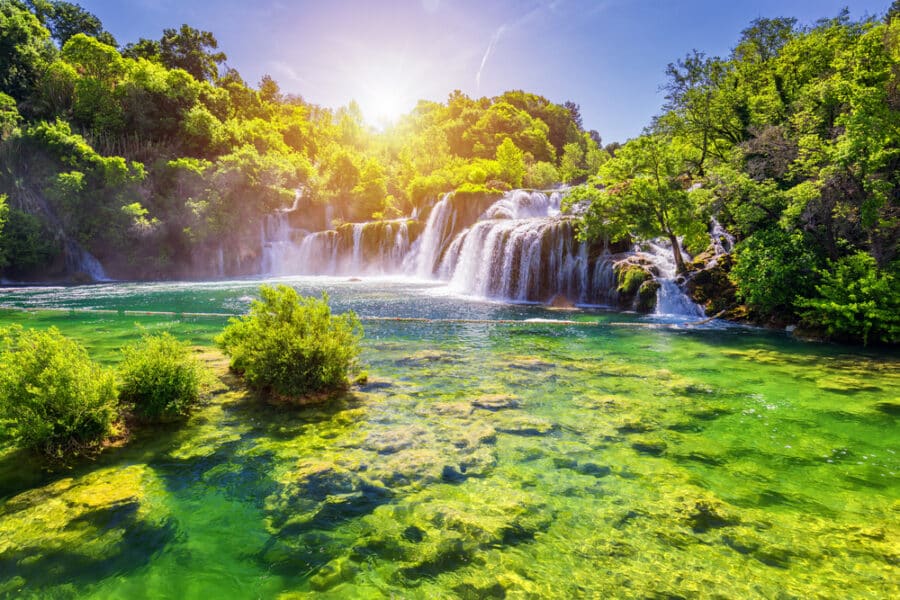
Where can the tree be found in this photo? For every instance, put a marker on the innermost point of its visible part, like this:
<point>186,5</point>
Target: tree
<point>269,90</point>
<point>575,112</point>
<point>190,49</point>
<point>4,210</point>
<point>693,110</point>
<point>25,49</point>
<point>65,19</point>
<point>571,165</point>
<point>512,163</point>
<point>645,194</point>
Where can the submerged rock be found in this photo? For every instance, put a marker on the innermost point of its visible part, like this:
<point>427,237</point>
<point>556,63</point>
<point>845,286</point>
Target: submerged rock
<point>523,425</point>
<point>100,522</point>
<point>321,491</point>
<point>495,402</point>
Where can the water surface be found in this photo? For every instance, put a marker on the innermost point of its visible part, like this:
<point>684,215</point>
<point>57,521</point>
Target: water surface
<point>609,459</point>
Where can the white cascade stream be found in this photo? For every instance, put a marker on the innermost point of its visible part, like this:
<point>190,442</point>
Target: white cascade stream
<point>519,249</point>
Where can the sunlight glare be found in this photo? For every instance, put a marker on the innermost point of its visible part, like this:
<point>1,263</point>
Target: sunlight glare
<point>385,92</point>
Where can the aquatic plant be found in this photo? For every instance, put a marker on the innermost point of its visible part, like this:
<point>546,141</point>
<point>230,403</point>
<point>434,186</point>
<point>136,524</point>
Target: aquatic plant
<point>160,378</point>
<point>291,346</point>
<point>55,399</point>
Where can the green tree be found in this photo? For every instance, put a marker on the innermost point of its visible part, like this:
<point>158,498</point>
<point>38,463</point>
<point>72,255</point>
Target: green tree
<point>772,269</point>
<point>857,299</point>
<point>161,378</point>
<point>192,50</point>
<point>512,163</point>
<point>65,19</point>
<point>60,403</point>
<point>25,49</point>
<point>644,194</point>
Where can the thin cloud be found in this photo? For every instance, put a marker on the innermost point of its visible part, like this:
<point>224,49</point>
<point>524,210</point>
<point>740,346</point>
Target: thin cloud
<point>542,6</point>
<point>487,53</point>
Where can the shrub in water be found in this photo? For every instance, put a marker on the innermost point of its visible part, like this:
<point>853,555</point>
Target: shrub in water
<point>161,378</point>
<point>54,398</point>
<point>292,346</point>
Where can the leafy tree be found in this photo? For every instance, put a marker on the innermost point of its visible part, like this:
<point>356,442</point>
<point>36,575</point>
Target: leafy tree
<point>644,194</point>
<point>65,19</point>
<point>191,49</point>
<point>4,211</point>
<point>290,346</point>
<point>25,49</point>
<point>571,165</point>
<point>9,116</point>
<point>512,163</point>
<point>772,269</point>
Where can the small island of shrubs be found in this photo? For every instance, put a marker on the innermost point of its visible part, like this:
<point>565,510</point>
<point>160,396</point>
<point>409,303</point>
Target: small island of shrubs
<point>57,402</point>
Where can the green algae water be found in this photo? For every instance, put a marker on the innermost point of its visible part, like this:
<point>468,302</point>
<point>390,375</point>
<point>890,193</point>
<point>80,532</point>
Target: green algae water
<point>619,458</point>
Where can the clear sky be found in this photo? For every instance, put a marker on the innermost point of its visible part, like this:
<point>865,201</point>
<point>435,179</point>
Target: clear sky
<point>609,56</point>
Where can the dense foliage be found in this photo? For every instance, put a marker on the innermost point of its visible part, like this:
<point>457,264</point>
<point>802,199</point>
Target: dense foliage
<point>160,378</point>
<point>154,155</point>
<point>53,397</point>
<point>290,346</point>
<point>793,143</point>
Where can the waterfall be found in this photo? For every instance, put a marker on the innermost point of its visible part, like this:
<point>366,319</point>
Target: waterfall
<point>279,246</point>
<point>79,260</point>
<point>441,222</point>
<point>375,248</point>
<point>519,249</point>
<point>670,299</point>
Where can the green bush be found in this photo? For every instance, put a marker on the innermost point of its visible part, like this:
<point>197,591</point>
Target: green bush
<point>54,398</point>
<point>291,346</point>
<point>772,269</point>
<point>856,300</point>
<point>161,378</point>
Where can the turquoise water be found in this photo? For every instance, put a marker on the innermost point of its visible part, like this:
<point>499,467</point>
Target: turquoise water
<point>623,457</point>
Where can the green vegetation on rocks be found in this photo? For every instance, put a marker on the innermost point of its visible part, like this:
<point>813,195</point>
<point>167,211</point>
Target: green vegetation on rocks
<point>290,346</point>
<point>55,399</point>
<point>160,378</point>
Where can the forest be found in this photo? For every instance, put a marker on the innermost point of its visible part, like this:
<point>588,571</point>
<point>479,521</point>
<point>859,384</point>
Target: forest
<point>154,152</point>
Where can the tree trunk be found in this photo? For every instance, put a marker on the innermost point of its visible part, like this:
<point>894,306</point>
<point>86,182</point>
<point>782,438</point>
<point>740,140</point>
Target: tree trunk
<point>676,252</point>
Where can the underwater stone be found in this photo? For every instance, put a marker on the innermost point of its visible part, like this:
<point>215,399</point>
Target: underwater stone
<point>312,486</point>
<point>704,514</point>
<point>647,445</point>
<point>92,521</point>
<point>496,402</point>
<point>451,409</point>
<point>524,425</point>
<point>389,441</point>
<point>335,572</point>
<point>530,363</point>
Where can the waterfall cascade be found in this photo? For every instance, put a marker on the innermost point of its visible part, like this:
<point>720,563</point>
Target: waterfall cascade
<point>670,300</point>
<point>79,260</point>
<point>518,247</point>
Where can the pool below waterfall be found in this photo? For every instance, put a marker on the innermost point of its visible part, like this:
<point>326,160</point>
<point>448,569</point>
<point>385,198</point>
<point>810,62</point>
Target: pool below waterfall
<point>496,451</point>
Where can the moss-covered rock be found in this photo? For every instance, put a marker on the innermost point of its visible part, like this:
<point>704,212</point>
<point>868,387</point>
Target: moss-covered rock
<point>100,523</point>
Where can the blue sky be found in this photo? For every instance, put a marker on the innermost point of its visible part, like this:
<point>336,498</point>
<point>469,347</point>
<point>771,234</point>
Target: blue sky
<point>609,56</point>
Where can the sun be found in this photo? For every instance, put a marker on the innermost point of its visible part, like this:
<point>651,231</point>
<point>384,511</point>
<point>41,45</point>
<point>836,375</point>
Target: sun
<point>384,106</point>
<point>384,92</point>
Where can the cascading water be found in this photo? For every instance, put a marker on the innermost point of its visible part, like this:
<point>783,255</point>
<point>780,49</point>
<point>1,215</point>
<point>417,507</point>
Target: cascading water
<point>670,299</point>
<point>424,259</point>
<point>80,260</point>
<point>376,248</point>
<point>518,247</point>
<point>521,249</point>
